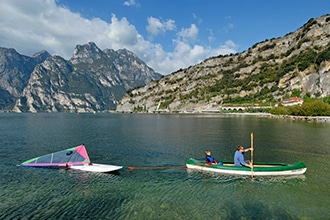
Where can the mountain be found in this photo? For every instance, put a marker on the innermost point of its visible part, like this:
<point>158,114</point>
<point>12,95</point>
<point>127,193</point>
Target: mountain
<point>92,80</point>
<point>297,64</point>
<point>15,71</point>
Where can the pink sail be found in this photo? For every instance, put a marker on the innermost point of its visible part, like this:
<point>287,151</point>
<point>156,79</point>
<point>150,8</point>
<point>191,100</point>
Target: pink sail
<point>75,156</point>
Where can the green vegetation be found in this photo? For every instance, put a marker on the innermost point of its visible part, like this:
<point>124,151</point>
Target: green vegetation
<point>261,76</point>
<point>267,47</point>
<point>268,74</point>
<point>138,109</point>
<point>166,103</point>
<point>311,107</point>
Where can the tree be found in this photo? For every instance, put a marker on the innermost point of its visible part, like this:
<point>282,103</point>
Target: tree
<point>296,93</point>
<point>280,111</point>
<point>315,108</point>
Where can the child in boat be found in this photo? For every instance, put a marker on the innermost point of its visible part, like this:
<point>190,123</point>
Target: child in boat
<point>209,158</point>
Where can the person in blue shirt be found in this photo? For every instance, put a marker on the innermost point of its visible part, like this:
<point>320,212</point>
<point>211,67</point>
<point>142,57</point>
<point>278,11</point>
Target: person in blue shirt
<point>209,158</point>
<point>239,156</point>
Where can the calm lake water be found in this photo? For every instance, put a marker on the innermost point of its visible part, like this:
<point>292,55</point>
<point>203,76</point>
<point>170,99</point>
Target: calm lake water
<point>159,187</point>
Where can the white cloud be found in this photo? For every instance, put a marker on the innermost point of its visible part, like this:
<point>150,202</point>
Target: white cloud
<point>35,25</point>
<point>189,33</point>
<point>211,36</point>
<point>156,26</point>
<point>228,27</point>
<point>199,20</point>
<point>121,32</point>
<point>184,53</point>
<point>131,3</point>
<point>227,48</point>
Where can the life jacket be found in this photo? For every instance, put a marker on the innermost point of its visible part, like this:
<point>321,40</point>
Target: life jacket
<point>210,159</point>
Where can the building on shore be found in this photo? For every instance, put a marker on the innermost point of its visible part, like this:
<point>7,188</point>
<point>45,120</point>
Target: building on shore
<point>290,102</point>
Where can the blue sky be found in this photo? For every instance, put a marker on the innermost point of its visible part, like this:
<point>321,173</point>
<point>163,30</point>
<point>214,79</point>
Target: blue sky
<point>166,34</point>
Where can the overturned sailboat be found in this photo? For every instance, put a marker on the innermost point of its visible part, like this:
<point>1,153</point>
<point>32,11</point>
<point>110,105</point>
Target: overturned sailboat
<point>72,158</point>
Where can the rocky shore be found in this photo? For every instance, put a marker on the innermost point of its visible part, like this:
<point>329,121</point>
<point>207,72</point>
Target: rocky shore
<point>318,119</point>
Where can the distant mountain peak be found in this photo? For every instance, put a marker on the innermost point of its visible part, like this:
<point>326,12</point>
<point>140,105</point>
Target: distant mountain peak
<point>92,80</point>
<point>86,53</point>
<point>41,56</point>
<point>41,53</point>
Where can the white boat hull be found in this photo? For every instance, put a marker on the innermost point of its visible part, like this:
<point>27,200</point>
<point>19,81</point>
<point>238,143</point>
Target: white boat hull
<point>98,168</point>
<point>247,172</point>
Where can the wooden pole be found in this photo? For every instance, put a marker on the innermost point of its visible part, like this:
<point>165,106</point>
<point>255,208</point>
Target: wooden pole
<point>252,146</point>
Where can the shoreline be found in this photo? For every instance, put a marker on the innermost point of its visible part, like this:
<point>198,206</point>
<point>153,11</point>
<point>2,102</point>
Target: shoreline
<point>317,119</point>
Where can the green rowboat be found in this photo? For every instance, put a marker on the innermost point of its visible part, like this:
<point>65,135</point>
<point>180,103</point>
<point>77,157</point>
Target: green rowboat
<point>259,169</point>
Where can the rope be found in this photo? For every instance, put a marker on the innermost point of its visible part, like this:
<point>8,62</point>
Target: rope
<point>131,168</point>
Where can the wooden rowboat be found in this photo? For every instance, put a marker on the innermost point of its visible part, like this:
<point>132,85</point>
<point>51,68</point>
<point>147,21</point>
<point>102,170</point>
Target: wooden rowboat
<point>259,169</point>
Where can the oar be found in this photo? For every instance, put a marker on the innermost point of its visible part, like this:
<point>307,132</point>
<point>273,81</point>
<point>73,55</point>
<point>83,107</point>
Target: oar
<point>252,147</point>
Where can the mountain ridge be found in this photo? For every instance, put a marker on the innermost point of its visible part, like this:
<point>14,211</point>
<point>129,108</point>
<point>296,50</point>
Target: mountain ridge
<point>91,80</point>
<point>267,72</point>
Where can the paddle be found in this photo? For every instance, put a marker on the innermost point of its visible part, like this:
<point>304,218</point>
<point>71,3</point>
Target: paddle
<point>252,147</point>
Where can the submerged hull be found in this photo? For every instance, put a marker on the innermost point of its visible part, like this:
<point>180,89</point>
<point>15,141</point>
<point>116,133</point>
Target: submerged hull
<point>260,168</point>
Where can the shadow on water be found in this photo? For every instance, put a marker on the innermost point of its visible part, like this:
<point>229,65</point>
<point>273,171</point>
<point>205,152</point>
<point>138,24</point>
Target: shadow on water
<point>240,197</point>
<point>252,209</point>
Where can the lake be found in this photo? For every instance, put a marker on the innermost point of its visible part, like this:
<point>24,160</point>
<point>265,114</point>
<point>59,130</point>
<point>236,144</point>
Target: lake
<point>158,186</point>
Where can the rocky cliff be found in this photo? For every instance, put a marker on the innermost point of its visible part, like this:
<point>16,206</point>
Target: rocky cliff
<point>15,71</point>
<point>297,64</point>
<point>92,80</point>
